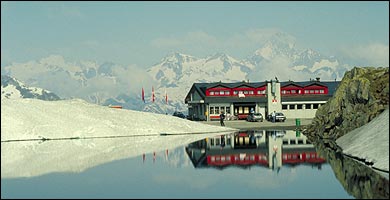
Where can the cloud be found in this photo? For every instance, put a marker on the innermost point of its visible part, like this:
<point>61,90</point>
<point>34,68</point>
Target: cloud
<point>375,54</point>
<point>68,82</point>
<point>281,67</point>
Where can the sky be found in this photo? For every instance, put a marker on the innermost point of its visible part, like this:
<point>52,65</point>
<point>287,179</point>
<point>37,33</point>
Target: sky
<point>142,33</point>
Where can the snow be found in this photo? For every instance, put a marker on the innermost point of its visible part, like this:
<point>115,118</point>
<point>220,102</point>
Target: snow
<point>370,141</point>
<point>10,92</point>
<point>131,133</point>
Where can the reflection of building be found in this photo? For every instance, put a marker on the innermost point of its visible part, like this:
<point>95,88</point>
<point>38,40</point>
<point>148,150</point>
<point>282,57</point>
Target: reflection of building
<point>246,148</point>
<point>295,99</point>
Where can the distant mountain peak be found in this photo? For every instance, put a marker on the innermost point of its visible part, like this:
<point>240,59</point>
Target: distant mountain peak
<point>12,88</point>
<point>176,57</point>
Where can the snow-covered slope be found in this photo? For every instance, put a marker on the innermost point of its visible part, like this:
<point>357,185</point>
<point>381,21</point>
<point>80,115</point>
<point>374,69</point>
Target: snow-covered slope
<point>83,135</point>
<point>369,142</point>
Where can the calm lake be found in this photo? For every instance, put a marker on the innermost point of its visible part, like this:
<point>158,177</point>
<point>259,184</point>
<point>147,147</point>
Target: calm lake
<point>246,164</point>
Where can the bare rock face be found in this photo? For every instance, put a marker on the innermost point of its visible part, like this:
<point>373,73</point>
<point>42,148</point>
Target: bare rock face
<point>361,96</point>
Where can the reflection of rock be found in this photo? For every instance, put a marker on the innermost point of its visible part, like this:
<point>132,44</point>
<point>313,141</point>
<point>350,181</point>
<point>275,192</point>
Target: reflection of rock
<point>356,178</point>
<point>361,96</point>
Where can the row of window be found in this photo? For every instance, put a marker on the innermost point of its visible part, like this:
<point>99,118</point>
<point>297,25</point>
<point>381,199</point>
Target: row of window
<point>301,106</point>
<point>305,91</point>
<point>262,92</point>
<point>219,109</point>
<point>237,157</point>
<point>295,156</point>
<point>227,93</point>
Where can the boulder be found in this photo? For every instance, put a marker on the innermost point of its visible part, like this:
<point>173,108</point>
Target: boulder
<point>362,95</point>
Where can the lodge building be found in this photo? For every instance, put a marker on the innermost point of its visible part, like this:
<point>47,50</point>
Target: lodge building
<point>295,99</point>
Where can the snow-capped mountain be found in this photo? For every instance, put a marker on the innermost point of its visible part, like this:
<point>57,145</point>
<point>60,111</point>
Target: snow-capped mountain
<point>110,83</point>
<point>11,88</point>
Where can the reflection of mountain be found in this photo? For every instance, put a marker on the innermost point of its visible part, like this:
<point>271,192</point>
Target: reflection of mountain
<point>244,149</point>
<point>357,179</point>
<point>178,158</point>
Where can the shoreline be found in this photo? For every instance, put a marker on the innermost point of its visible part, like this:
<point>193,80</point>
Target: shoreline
<point>289,124</point>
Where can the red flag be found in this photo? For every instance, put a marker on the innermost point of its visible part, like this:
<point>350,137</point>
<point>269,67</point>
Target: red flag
<point>152,94</point>
<point>143,95</point>
<point>166,97</point>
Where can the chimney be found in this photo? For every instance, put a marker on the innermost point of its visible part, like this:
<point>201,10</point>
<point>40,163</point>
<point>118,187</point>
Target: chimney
<point>318,79</point>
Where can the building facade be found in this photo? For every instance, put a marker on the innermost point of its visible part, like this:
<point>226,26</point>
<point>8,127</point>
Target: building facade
<point>295,99</point>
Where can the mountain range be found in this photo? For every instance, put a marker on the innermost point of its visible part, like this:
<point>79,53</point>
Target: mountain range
<point>112,84</point>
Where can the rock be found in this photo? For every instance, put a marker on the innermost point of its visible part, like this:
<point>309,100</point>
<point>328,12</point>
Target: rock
<point>362,95</point>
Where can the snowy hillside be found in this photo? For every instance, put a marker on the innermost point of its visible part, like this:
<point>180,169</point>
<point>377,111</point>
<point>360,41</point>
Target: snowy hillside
<point>95,135</point>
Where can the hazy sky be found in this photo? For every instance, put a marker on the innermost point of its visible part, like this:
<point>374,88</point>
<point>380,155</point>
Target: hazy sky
<point>142,33</point>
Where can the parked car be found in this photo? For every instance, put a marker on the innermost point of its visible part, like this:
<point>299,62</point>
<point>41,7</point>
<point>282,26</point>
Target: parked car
<point>255,117</point>
<point>179,114</point>
<point>279,117</point>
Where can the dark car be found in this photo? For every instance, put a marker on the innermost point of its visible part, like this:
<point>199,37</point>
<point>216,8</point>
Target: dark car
<point>279,117</point>
<point>255,117</point>
<point>179,114</point>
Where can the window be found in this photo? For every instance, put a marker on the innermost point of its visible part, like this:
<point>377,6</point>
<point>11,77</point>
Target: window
<point>322,91</point>
<point>222,109</point>
<point>284,107</point>
<point>299,106</point>
<point>293,91</point>
<point>216,92</point>
<point>222,92</point>
<point>292,107</point>
<point>285,141</point>
<point>251,92</point>
<point>246,109</point>
<point>283,91</point>
<point>307,106</point>
<point>311,91</point>
<point>306,91</point>
<point>211,92</point>
<point>228,110</point>
<point>292,142</point>
<point>216,110</point>
<point>211,110</point>
<point>217,141</point>
<point>227,92</point>
<point>300,141</point>
<point>235,92</point>
<point>240,92</point>
<point>246,92</point>
<point>259,92</point>
<point>212,142</point>
<point>315,106</point>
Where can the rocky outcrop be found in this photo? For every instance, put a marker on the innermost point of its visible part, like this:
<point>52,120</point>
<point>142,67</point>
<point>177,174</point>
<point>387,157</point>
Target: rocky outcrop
<point>362,95</point>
